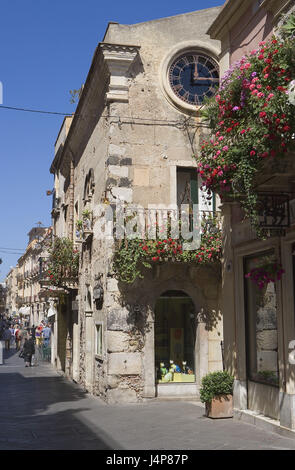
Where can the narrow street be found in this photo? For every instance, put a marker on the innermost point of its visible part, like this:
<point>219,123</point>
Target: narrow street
<point>40,409</point>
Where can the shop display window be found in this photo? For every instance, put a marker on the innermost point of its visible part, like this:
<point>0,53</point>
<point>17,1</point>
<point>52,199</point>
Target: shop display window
<point>261,324</point>
<point>175,339</point>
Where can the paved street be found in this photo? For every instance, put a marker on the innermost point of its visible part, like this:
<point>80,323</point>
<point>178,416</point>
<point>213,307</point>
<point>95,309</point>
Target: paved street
<point>40,409</point>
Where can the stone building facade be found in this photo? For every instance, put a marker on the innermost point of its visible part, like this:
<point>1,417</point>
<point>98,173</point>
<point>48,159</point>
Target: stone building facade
<point>131,140</point>
<point>11,292</point>
<point>31,306</point>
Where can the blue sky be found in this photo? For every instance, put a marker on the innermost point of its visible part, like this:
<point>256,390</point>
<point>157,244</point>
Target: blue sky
<point>46,47</point>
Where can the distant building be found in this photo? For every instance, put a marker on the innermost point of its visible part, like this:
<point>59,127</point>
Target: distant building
<point>31,306</point>
<point>11,292</point>
<point>2,298</point>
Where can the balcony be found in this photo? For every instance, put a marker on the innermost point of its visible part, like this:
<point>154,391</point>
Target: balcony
<point>53,273</point>
<point>148,236</point>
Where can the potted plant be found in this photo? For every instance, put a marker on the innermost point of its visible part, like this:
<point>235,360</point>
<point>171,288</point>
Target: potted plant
<point>87,216</point>
<point>79,229</point>
<point>216,392</point>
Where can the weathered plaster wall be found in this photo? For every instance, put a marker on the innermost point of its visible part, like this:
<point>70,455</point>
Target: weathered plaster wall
<point>135,151</point>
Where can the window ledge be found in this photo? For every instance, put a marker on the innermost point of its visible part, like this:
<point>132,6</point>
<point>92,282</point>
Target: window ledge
<point>98,357</point>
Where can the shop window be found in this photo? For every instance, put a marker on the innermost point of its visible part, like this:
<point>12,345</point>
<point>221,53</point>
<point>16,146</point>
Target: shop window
<point>261,324</point>
<point>175,338</point>
<point>98,342</point>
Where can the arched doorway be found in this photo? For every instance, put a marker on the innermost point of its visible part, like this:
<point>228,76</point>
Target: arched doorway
<point>175,343</point>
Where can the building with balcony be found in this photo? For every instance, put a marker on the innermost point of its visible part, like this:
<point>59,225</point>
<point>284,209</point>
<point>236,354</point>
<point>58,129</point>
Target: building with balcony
<point>32,306</point>
<point>2,298</point>
<point>11,292</point>
<point>130,142</point>
<point>258,274</point>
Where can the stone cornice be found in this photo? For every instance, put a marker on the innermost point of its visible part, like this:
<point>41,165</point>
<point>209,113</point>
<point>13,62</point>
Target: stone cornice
<point>118,58</point>
<point>234,9</point>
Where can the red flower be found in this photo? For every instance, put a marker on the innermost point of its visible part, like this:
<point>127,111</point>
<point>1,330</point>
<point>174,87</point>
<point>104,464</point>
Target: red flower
<point>286,128</point>
<point>252,153</point>
<point>262,114</point>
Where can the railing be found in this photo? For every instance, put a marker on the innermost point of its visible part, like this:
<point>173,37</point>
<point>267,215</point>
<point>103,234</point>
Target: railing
<point>43,352</point>
<point>160,223</point>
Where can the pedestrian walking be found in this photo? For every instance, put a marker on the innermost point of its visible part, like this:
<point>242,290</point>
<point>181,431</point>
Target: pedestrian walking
<point>46,334</point>
<point>38,336</point>
<point>22,334</point>
<point>28,350</point>
<point>12,340</point>
<point>7,338</point>
<point>32,331</point>
<point>18,337</point>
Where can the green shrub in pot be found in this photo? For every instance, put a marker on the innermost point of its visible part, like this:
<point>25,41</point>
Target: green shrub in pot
<point>214,384</point>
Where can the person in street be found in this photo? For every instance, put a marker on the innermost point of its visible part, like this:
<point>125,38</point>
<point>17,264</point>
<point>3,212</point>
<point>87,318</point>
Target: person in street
<point>28,350</point>
<point>17,340</point>
<point>32,330</point>
<point>46,334</point>
<point>12,340</point>
<point>38,336</point>
<point>7,338</point>
<point>22,334</point>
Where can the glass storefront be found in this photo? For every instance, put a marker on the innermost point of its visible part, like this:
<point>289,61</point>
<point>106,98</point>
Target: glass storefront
<point>175,338</point>
<point>261,320</point>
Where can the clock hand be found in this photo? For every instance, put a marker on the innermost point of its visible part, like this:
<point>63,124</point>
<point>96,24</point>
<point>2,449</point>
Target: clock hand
<point>196,75</point>
<point>192,73</point>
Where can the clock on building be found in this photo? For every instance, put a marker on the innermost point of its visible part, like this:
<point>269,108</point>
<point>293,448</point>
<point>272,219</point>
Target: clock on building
<point>192,76</point>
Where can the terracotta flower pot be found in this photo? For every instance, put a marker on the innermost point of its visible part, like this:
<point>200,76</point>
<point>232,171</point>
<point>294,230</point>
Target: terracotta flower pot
<point>220,406</point>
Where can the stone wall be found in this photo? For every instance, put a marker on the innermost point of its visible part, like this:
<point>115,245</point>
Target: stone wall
<point>134,145</point>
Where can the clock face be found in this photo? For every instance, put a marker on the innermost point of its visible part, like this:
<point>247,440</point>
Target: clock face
<point>192,76</point>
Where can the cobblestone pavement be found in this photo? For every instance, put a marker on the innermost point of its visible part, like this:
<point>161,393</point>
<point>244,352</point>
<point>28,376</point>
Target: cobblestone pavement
<point>39,409</point>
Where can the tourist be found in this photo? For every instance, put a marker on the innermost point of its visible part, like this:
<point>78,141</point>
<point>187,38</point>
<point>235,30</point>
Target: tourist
<point>28,350</point>
<point>46,334</point>
<point>7,337</point>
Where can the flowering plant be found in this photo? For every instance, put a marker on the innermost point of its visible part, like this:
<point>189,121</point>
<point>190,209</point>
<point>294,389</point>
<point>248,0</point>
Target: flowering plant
<point>63,262</point>
<point>253,120</point>
<point>265,272</point>
<point>132,255</point>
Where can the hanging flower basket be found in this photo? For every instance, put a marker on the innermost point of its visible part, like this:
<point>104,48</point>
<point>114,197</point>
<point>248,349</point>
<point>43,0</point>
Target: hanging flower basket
<point>265,273</point>
<point>252,119</point>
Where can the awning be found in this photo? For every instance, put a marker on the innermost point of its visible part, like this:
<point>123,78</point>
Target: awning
<point>25,311</point>
<point>51,312</point>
